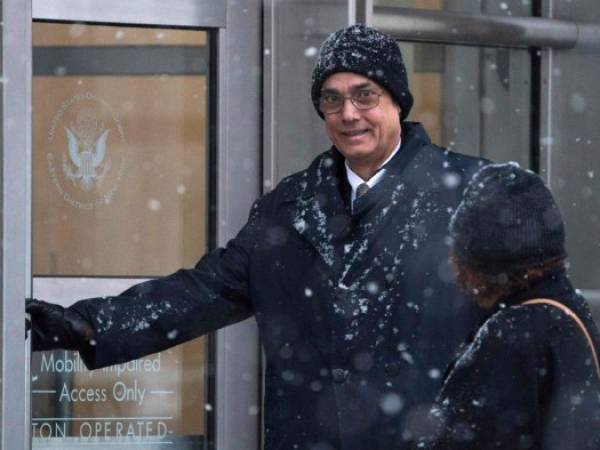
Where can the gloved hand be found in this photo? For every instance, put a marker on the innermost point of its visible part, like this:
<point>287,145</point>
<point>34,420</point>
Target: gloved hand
<point>53,327</point>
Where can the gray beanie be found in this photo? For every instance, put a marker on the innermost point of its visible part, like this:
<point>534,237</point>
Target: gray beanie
<point>367,52</point>
<point>507,221</point>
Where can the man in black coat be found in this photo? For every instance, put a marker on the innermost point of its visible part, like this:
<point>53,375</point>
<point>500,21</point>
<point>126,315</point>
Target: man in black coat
<point>343,265</point>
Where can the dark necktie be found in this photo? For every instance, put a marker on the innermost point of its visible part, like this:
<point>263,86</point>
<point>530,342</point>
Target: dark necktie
<point>361,190</point>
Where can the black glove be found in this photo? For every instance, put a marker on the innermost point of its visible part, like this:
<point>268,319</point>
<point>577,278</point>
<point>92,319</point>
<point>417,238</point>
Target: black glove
<point>53,327</point>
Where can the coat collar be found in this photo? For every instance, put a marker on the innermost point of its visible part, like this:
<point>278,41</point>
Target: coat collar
<point>555,285</point>
<point>322,214</point>
<point>327,170</point>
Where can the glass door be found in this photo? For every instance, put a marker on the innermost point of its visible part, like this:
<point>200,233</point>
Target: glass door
<point>121,182</point>
<point>476,100</point>
<point>473,100</point>
<point>133,172</point>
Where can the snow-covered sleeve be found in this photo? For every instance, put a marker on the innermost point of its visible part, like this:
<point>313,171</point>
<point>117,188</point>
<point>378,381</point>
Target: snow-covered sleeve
<point>491,394</point>
<point>160,313</point>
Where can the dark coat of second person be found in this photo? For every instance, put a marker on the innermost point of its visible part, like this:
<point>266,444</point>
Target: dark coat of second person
<point>527,380</point>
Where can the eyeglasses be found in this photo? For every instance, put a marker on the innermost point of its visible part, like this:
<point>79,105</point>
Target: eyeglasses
<point>331,103</point>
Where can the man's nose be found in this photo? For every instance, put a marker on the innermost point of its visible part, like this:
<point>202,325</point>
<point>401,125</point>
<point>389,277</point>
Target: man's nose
<point>349,111</point>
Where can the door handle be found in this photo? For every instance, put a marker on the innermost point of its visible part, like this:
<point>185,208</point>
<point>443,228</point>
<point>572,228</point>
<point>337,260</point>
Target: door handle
<point>483,30</point>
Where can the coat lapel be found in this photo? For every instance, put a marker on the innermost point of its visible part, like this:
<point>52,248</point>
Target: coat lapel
<point>365,249</point>
<point>321,215</point>
<point>390,203</point>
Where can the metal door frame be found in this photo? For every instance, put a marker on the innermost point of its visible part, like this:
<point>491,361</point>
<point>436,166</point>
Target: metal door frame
<point>238,34</point>
<point>16,182</point>
<point>421,25</point>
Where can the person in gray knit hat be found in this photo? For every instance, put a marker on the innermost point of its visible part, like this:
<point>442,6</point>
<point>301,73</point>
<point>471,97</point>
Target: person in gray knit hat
<point>530,377</point>
<point>342,264</point>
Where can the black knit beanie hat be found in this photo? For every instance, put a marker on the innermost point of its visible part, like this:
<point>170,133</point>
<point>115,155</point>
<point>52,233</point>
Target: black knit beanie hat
<point>507,221</point>
<point>367,52</point>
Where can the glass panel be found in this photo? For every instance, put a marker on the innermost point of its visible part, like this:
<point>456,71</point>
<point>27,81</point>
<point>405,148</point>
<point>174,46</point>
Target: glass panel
<point>145,137</point>
<point>570,149</point>
<point>573,165</point>
<point>77,34</point>
<point>120,193</point>
<point>498,7</point>
<point>473,100</point>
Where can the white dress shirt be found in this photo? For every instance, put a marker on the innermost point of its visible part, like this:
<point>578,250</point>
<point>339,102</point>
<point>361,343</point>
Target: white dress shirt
<point>355,180</point>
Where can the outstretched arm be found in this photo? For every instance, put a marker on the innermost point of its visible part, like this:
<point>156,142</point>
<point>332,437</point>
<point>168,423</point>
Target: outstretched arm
<point>157,314</point>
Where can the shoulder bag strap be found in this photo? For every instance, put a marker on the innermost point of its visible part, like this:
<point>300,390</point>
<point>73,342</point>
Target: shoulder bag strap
<point>572,315</point>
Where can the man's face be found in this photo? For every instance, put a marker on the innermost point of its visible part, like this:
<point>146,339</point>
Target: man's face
<point>365,137</point>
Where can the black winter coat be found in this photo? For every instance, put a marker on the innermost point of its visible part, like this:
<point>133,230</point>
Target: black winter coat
<point>358,313</point>
<point>527,380</point>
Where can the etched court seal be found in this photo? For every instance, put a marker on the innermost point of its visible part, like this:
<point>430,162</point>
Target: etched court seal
<point>87,154</point>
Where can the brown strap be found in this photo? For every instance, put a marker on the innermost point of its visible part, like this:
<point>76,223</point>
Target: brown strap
<point>572,315</point>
